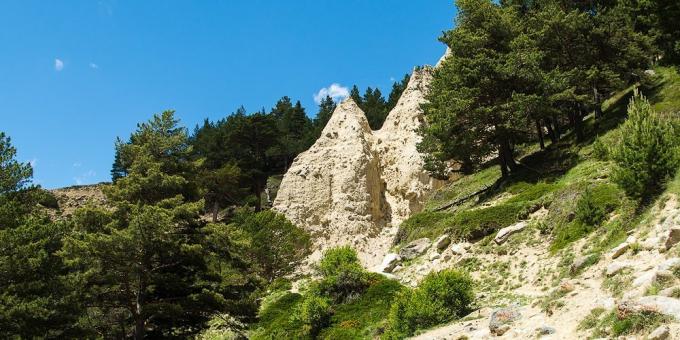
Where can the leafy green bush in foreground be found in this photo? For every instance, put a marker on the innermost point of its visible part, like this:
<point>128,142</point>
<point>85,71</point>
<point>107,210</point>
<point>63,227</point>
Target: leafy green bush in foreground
<point>441,297</point>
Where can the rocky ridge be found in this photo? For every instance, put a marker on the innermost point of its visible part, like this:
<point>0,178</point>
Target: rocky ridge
<point>354,186</point>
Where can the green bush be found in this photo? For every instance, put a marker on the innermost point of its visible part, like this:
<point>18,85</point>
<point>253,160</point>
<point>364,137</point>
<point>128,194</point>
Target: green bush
<point>343,275</point>
<point>588,211</point>
<point>648,152</point>
<point>313,313</point>
<point>440,297</point>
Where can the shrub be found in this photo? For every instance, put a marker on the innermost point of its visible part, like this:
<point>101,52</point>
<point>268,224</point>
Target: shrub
<point>588,211</point>
<point>647,154</point>
<point>343,275</point>
<point>313,313</point>
<point>441,297</point>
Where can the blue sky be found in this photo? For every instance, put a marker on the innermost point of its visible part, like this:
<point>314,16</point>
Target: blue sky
<point>74,75</point>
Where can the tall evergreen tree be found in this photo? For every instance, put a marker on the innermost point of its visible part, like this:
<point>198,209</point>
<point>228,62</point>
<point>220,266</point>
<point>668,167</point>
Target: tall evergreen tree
<point>140,268</point>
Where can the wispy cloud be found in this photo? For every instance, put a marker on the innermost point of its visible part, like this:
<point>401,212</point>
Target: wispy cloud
<point>94,66</point>
<point>335,91</point>
<point>58,65</point>
<point>85,177</point>
<point>33,162</point>
<point>77,164</point>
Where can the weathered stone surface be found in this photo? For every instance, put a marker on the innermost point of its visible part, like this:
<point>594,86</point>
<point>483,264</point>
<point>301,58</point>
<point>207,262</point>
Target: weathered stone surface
<point>616,267</point>
<point>670,264</point>
<point>654,303</point>
<point>545,330</point>
<point>670,292</point>
<point>673,237</point>
<point>620,250</point>
<point>501,319</point>
<point>660,333</point>
<point>579,263</point>
<point>505,233</point>
<point>415,248</point>
<point>458,249</point>
<point>390,261</point>
<point>354,186</point>
<point>442,242</point>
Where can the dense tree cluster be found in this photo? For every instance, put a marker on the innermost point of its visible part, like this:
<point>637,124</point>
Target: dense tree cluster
<point>374,104</point>
<point>521,69</point>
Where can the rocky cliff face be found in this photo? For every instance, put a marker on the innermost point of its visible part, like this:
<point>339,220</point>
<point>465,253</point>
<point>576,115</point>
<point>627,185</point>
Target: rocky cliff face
<point>354,186</point>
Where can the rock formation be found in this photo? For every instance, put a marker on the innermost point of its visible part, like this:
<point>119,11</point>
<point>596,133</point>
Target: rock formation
<point>355,186</point>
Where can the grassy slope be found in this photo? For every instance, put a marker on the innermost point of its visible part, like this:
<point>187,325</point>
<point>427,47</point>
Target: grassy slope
<point>555,178</point>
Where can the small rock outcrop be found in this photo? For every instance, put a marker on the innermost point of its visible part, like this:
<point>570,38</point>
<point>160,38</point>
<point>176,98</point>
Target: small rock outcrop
<point>505,233</point>
<point>415,248</point>
<point>355,186</point>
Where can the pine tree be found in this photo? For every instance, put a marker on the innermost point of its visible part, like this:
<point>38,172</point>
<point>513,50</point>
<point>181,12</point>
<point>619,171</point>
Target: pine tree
<point>648,152</point>
<point>398,88</point>
<point>140,268</point>
<point>34,301</point>
<point>326,108</point>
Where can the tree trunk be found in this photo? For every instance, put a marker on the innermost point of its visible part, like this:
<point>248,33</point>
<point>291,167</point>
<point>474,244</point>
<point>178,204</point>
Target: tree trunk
<point>140,330</point>
<point>502,163</point>
<point>215,210</point>
<point>258,194</point>
<point>505,157</point>
<point>556,123</point>
<point>578,127</point>
<point>551,132</point>
<point>539,131</point>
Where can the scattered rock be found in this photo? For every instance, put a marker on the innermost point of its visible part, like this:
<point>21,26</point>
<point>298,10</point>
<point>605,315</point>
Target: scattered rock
<point>616,267</point>
<point>661,333</point>
<point>566,286</point>
<point>670,264</point>
<point>458,249</point>
<point>501,319</point>
<point>673,237</point>
<point>505,233</point>
<point>670,291</point>
<point>579,263</point>
<point>646,279</point>
<point>434,256</point>
<point>415,248</point>
<point>442,242</point>
<point>545,330</point>
<point>664,275</point>
<point>654,303</point>
<point>389,263</point>
<point>620,250</point>
<point>651,243</point>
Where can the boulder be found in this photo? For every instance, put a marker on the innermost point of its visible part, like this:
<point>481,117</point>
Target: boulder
<point>673,237</point>
<point>442,242</point>
<point>645,279</point>
<point>670,264</point>
<point>616,267</point>
<point>579,263</point>
<point>670,292</point>
<point>458,249</point>
<point>545,330</point>
<point>415,248</point>
<point>434,256</point>
<point>505,233</point>
<point>501,319</point>
<point>390,261</point>
<point>660,333</point>
<point>620,250</point>
<point>653,303</point>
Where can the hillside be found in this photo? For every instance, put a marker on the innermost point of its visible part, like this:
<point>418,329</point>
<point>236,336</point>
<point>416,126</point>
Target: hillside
<point>530,256</point>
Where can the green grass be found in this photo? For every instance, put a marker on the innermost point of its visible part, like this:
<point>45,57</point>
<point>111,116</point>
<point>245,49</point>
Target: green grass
<point>634,323</point>
<point>275,322</point>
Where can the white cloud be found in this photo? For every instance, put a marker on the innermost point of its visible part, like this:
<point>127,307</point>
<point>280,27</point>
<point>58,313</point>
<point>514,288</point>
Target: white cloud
<point>33,162</point>
<point>94,66</point>
<point>77,164</point>
<point>335,91</point>
<point>58,65</point>
<point>392,79</point>
<point>85,177</point>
